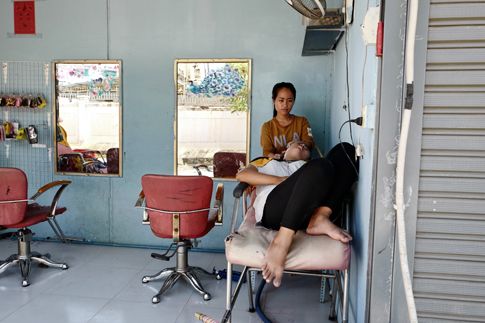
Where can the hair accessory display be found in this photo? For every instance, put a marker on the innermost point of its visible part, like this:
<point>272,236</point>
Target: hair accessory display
<point>41,102</point>
<point>23,101</point>
<point>32,134</point>
<point>18,101</point>
<point>2,133</point>
<point>8,128</point>
<point>10,101</point>
<point>21,134</point>
<point>13,131</point>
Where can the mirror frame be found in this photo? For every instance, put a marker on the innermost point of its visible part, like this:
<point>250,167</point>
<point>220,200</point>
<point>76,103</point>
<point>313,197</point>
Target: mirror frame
<point>55,113</point>
<point>248,119</point>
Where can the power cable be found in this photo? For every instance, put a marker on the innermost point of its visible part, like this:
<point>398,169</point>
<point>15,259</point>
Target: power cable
<point>357,121</point>
<point>348,83</point>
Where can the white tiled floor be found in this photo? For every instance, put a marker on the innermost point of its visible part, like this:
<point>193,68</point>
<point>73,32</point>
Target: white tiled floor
<point>103,284</point>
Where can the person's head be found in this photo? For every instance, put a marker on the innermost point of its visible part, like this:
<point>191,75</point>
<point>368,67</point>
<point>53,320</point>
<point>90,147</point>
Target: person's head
<point>296,150</point>
<point>284,96</point>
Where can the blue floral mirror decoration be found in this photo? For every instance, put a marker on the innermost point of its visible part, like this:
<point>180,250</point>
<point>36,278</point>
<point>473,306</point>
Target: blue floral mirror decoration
<point>212,116</point>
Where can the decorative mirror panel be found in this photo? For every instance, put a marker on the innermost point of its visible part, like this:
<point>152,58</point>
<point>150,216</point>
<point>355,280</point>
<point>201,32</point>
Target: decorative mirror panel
<point>212,116</point>
<point>88,117</point>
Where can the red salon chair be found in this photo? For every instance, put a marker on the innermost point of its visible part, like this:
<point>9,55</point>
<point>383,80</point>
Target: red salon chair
<point>16,213</point>
<point>113,160</point>
<point>178,208</point>
<point>227,164</point>
<point>309,255</point>
<point>72,162</point>
<point>80,162</point>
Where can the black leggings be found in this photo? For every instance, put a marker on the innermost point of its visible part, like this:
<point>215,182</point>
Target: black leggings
<point>320,182</point>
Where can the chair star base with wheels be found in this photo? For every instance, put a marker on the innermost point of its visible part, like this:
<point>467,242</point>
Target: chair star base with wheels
<point>16,213</point>
<point>181,269</point>
<point>25,257</point>
<point>178,208</point>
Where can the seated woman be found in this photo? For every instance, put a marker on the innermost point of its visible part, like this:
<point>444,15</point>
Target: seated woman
<point>284,127</point>
<point>296,194</point>
<point>63,146</point>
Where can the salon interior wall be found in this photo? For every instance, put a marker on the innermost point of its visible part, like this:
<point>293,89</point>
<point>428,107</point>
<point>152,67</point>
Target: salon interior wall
<point>148,35</point>
<point>362,76</point>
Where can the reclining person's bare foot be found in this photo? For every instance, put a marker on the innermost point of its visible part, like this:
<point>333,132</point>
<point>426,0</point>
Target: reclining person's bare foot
<point>320,224</point>
<point>274,261</point>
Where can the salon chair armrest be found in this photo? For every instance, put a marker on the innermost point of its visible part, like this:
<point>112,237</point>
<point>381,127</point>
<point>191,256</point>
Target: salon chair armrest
<point>141,199</point>
<point>63,184</point>
<point>238,192</point>
<point>48,186</point>
<point>239,189</point>
<point>140,203</point>
<point>219,202</point>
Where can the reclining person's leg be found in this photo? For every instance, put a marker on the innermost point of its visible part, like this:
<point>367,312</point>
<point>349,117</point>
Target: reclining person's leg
<point>297,203</point>
<point>346,167</point>
<point>343,159</point>
<point>289,208</point>
<point>275,257</point>
<point>292,202</point>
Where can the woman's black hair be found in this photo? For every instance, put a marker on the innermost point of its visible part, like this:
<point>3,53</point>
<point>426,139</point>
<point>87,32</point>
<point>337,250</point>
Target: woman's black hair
<point>282,85</point>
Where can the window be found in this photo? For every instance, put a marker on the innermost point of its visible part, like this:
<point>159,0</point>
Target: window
<point>212,116</point>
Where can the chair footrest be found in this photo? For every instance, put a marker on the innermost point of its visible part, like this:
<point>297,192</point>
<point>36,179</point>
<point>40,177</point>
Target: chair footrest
<point>159,256</point>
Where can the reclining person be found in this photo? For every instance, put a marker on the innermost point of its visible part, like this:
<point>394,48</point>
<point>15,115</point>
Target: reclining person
<point>299,194</point>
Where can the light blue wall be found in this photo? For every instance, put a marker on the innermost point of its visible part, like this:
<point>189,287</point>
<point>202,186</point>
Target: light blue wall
<point>148,35</point>
<point>362,67</point>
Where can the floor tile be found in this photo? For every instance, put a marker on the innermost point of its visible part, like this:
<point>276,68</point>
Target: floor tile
<point>302,292</point>
<point>12,301</point>
<point>94,281</point>
<point>129,312</point>
<point>8,247</point>
<point>57,309</point>
<point>120,257</point>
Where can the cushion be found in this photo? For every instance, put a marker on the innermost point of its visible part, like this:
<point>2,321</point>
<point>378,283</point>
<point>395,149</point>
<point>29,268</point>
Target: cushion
<point>248,245</point>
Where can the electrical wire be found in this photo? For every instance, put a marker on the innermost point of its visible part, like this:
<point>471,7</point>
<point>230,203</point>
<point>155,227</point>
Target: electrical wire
<point>259,310</point>
<point>401,159</point>
<point>342,145</point>
<point>347,83</point>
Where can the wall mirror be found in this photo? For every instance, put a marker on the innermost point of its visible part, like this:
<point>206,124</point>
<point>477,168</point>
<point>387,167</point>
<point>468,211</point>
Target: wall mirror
<point>212,116</point>
<point>87,115</point>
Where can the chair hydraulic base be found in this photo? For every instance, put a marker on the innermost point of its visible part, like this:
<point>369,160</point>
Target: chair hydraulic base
<point>181,269</point>
<point>25,257</point>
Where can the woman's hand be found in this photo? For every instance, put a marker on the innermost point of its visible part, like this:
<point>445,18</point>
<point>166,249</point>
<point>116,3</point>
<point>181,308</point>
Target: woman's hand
<point>274,156</point>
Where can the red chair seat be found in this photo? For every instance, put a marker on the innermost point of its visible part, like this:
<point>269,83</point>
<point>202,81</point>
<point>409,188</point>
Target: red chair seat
<point>34,209</point>
<point>35,213</point>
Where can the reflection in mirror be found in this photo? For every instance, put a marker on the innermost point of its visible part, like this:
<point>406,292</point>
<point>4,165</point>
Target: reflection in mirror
<point>212,116</point>
<point>88,117</point>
